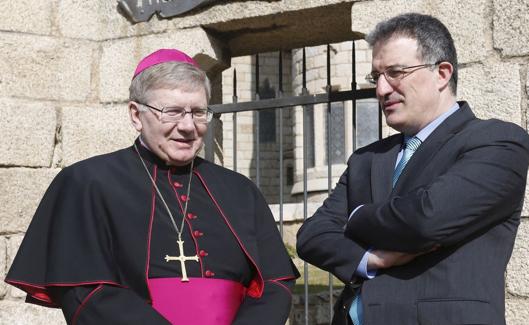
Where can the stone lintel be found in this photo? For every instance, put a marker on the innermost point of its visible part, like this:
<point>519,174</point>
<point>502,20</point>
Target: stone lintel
<point>286,30</point>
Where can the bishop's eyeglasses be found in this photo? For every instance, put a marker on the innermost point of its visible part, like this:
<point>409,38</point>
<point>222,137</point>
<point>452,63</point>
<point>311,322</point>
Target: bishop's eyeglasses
<point>176,114</point>
<point>395,73</point>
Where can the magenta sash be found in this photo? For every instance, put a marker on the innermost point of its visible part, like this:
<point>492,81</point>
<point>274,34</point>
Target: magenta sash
<point>200,301</point>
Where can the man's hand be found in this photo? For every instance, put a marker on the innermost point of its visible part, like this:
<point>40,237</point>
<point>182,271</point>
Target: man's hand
<point>380,259</point>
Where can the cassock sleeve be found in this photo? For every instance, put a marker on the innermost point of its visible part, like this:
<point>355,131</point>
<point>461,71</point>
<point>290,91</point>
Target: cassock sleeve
<point>66,258</point>
<point>271,309</point>
<point>278,272</point>
<point>104,304</point>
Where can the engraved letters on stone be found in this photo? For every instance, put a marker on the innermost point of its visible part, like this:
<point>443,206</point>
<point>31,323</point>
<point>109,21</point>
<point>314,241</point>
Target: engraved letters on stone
<point>141,10</point>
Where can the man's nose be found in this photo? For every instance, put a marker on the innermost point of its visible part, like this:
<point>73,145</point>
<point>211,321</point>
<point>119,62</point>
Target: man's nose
<point>186,123</point>
<point>383,86</point>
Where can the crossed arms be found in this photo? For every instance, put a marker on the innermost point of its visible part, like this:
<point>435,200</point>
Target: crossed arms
<point>482,186</point>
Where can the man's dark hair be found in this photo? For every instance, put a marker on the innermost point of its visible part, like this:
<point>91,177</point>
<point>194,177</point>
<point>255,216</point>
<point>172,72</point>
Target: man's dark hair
<point>435,44</point>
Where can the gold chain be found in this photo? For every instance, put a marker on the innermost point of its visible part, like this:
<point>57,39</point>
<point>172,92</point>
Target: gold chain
<point>178,231</point>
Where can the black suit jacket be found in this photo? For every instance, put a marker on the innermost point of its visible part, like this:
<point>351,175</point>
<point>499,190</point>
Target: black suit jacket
<point>462,190</point>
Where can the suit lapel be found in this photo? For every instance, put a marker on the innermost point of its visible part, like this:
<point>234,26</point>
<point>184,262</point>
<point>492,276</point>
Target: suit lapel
<point>382,167</point>
<point>427,151</point>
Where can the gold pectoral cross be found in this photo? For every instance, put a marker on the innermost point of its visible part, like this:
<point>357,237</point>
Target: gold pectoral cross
<point>182,258</point>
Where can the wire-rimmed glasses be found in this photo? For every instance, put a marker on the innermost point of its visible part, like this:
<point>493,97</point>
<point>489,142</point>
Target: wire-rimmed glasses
<point>393,74</point>
<point>176,114</point>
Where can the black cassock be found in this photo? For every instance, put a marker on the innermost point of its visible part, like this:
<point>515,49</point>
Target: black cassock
<point>101,232</point>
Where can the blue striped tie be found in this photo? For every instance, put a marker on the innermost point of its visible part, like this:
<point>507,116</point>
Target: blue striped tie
<point>410,146</point>
<point>409,149</point>
<point>355,311</point>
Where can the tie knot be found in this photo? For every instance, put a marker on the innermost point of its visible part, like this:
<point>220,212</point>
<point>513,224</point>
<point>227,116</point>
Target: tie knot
<point>413,143</point>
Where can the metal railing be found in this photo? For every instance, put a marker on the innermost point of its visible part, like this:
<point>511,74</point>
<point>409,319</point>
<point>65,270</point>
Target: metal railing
<point>303,100</point>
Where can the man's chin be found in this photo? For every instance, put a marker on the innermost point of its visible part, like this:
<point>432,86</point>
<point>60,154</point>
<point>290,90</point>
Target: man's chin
<point>395,124</point>
<point>182,158</point>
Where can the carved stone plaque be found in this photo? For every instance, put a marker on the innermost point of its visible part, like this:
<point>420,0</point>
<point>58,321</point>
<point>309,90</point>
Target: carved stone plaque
<point>141,10</point>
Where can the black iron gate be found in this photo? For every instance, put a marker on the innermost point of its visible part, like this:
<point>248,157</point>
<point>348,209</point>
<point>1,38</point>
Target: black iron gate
<point>306,101</point>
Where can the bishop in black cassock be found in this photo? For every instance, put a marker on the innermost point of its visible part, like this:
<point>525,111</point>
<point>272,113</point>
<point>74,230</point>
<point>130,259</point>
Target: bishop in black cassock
<point>103,246</point>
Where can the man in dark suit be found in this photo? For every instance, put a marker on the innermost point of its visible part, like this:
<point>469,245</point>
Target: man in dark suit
<point>421,225</point>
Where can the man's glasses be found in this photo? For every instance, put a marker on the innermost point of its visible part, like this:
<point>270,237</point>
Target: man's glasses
<point>394,74</point>
<point>176,114</point>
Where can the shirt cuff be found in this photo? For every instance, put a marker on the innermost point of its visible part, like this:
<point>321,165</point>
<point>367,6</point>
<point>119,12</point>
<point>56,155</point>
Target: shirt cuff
<point>356,209</point>
<point>362,270</point>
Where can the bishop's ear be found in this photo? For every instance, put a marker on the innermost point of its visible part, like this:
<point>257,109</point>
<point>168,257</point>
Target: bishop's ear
<point>134,113</point>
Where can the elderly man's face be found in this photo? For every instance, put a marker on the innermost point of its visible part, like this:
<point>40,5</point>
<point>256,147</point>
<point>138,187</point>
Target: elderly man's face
<point>176,143</point>
<point>410,101</point>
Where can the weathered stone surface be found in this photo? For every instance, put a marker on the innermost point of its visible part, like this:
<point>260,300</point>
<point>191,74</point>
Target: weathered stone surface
<point>527,87</point>
<point>100,20</point>
<point>467,21</point>
<point>81,19</point>
<point>116,26</point>
<point>262,32</point>
<point>27,16</point>
<point>3,266</point>
<point>41,67</point>
<point>516,311</point>
<point>239,10</point>
<point>29,130</point>
<point>247,26</point>
<point>13,244</point>
<point>493,90</point>
<point>511,27</point>
<point>90,131</point>
<point>120,57</point>
<point>22,190</point>
<point>18,312</point>
<point>525,208</point>
<point>517,275</point>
